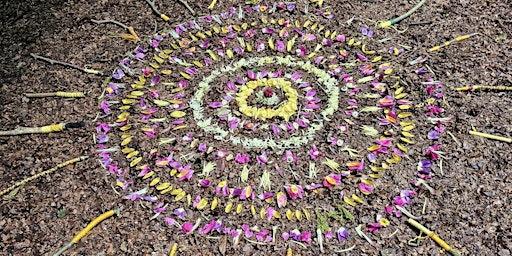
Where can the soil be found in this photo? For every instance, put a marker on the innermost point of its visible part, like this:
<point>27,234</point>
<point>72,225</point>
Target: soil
<point>471,210</point>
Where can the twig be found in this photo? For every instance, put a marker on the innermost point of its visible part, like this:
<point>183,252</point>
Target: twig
<point>490,136</point>
<point>394,233</point>
<point>51,61</point>
<point>420,23</point>
<point>254,242</point>
<point>84,231</point>
<point>153,7</point>
<point>407,213</point>
<point>44,173</point>
<point>424,206</point>
<point>484,87</point>
<point>346,250</point>
<point>363,235</point>
<point>43,129</point>
<point>55,94</point>
<point>110,21</point>
<point>183,2</point>
<point>212,4</point>
<point>130,37</point>
<point>447,43</point>
<point>434,237</point>
<point>391,22</point>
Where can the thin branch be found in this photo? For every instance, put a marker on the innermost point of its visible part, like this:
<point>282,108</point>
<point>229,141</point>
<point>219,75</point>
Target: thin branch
<point>110,21</point>
<point>53,62</point>
<point>44,173</point>
<point>43,129</point>
<point>183,2</point>
<point>153,7</point>
<point>130,37</point>
<point>55,94</point>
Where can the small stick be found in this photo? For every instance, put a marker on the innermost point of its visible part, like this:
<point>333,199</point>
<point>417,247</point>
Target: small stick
<point>490,136</point>
<point>363,235</point>
<point>130,37</point>
<point>153,7</point>
<point>55,94</point>
<point>84,231</point>
<point>447,43</point>
<point>407,213</point>
<point>41,174</point>
<point>183,2</point>
<point>484,87</point>
<point>420,23</point>
<point>346,250</point>
<point>434,237</point>
<point>51,61</point>
<point>391,22</point>
<point>43,129</point>
<point>212,4</point>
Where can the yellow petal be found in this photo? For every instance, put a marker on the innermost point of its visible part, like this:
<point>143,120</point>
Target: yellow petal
<point>135,161</point>
<point>176,191</point>
<point>298,215</point>
<point>214,203</point>
<point>163,186</point>
<point>307,214</point>
<point>289,214</point>
<point>357,199</point>
<point>202,204</point>
<point>132,154</point>
<point>228,208</point>
<point>253,210</point>
<point>167,190</point>
<point>348,201</point>
<point>177,114</point>
<point>161,103</point>
<point>180,196</point>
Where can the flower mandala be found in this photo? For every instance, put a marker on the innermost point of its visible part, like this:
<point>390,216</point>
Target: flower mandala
<point>247,113</point>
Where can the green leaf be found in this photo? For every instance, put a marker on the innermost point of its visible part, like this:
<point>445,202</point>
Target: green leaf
<point>61,213</point>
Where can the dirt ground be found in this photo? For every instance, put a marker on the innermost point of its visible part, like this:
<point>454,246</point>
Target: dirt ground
<point>471,210</point>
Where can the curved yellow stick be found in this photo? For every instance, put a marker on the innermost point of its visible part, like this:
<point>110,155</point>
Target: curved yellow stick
<point>84,231</point>
<point>93,223</point>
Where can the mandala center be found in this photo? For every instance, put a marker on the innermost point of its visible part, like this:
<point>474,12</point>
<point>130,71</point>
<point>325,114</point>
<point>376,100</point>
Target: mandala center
<point>286,110</point>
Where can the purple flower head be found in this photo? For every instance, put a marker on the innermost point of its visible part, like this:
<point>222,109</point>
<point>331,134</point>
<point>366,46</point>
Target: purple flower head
<point>294,191</point>
<point>233,124</point>
<point>201,147</point>
<point>295,234</point>
<point>305,237</point>
<point>104,105</point>
<point>367,32</point>
<point>180,213</point>
<point>332,180</point>
<point>204,183</point>
<point>216,104</point>
<point>314,153</point>
<point>118,74</point>
<point>275,129</point>
<point>187,227</point>
<point>342,234</point>
<point>221,153</point>
<point>289,157</point>
<point>263,158</point>
<point>433,135</point>
<point>169,221</point>
<point>242,158</point>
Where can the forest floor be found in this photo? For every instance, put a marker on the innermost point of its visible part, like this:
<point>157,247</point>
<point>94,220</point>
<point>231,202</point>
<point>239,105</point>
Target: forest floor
<point>470,211</point>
